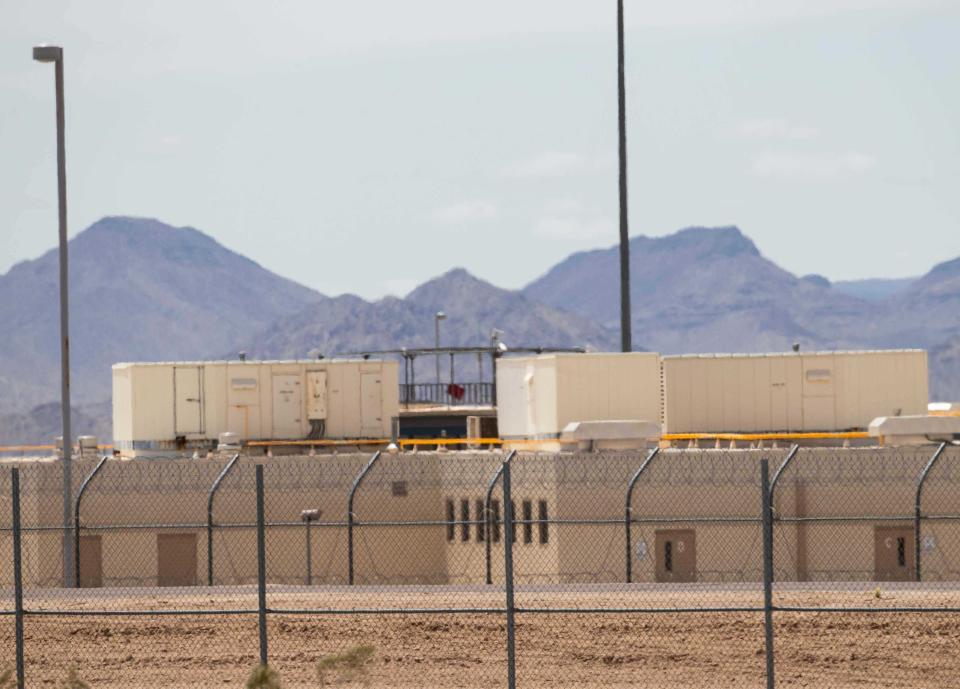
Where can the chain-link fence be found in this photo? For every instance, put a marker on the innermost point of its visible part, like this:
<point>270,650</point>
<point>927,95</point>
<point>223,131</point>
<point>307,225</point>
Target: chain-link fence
<point>670,568</point>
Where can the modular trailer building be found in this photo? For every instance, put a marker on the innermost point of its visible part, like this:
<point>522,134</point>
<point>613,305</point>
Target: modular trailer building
<point>537,396</point>
<point>791,392</point>
<point>160,407</point>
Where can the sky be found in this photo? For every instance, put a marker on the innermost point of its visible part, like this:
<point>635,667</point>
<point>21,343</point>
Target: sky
<point>370,145</point>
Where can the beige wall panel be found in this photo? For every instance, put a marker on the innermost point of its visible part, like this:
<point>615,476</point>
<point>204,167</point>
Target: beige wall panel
<point>538,396</point>
<point>122,403</point>
<point>152,403</point>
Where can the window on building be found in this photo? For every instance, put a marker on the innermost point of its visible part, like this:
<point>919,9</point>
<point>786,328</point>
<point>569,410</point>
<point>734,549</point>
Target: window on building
<point>482,518</point>
<point>513,521</point>
<point>464,520</point>
<point>451,518</point>
<point>544,525</point>
<point>527,521</point>
<point>495,510</point>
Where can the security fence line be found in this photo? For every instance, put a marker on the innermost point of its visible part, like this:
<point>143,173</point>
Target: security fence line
<point>770,519</point>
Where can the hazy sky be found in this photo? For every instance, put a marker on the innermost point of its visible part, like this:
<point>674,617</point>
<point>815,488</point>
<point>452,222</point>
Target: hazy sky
<point>366,146</point>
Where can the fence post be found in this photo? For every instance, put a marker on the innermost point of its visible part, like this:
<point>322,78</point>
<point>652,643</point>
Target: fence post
<point>917,506</point>
<point>773,488</point>
<point>508,577</point>
<point>488,515</point>
<point>76,519</point>
<point>767,512</point>
<point>213,491</point>
<point>261,568</point>
<point>350,516</point>
<point>17,574</point>
<point>628,512</point>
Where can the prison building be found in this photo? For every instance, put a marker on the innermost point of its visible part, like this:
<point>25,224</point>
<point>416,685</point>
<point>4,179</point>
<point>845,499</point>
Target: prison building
<point>422,518</point>
<point>160,407</point>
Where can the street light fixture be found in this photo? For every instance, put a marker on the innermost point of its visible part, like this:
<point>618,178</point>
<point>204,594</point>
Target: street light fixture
<point>54,54</point>
<point>436,322</point>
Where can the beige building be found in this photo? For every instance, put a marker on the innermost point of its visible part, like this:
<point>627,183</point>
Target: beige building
<point>843,515</point>
<point>162,406</point>
<point>537,396</point>
<point>793,392</point>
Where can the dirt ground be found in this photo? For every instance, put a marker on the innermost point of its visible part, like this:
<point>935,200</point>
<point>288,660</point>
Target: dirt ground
<point>570,649</point>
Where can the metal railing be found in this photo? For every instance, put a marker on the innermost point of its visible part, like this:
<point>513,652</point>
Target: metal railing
<point>448,394</point>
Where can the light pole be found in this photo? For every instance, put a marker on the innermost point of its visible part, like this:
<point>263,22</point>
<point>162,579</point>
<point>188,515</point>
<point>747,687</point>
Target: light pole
<point>436,324</point>
<point>54,54</point>
<point>626,338</point>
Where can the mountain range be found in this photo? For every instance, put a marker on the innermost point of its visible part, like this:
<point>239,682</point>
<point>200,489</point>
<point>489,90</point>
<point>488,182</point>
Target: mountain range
<point>143,290</point>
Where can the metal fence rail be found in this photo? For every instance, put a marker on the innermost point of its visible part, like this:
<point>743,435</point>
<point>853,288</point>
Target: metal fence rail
<point>603,565</point>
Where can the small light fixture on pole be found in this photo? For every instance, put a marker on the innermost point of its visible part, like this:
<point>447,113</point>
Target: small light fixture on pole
<point>309,516</point>
<point>54,54</point>
<point>436,323</point>
<point>495,351</point>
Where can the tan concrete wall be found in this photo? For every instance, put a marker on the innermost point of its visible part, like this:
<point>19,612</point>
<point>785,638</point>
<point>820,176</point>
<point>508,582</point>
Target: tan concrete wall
<point>714,492</point>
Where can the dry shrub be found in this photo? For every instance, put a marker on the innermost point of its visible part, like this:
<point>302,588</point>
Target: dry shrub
<point>349,666</point>
<point>263,677</point>
<point>73,681</point>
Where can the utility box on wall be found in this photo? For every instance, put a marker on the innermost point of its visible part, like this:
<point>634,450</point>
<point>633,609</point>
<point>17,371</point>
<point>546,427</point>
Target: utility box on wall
<point>791,392</point>
<point>161,407</point>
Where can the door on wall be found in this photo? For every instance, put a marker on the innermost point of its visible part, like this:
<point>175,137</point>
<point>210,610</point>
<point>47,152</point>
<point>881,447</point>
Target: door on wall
<point>676,555</point>
<point>91,562</point>
<point>779,415</point>
<point>371,405</point>
<point>187,399</point>
<point>287,406</point>
<point>819,397</point>
<point>177,559</point>
<point>893,553</point>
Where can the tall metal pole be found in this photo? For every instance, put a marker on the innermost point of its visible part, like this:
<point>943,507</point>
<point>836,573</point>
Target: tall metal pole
<point>261,567</point>
<point>767,527</point>
<point>626,338</point>
<point>508,576</point>
<point>17,575</point>
<point>54,54</point>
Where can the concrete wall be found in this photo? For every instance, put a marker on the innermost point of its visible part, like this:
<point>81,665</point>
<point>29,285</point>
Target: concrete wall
<point>402,529</point>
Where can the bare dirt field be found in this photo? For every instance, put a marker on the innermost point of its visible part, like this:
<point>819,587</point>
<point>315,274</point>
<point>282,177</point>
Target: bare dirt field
<point>467,649</point>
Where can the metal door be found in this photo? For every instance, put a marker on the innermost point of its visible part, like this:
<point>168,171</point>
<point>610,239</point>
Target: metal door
<point>316,395</point>
<point>91,562</point>
<point>893,552</point>
<point>287,406</point>
<point>177,559</point>
<point>676,555</point>
<point>819,412</point>
<point>779,420</point>
<point>371,405</point>
<point>187,399</point>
